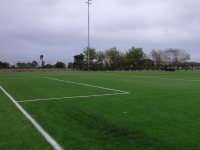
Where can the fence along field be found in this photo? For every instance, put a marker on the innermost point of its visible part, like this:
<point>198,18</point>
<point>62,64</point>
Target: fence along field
<point>159,112</point>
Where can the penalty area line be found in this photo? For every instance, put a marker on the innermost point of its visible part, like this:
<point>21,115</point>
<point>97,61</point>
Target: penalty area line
<point>87,85</point>
<point>71,97</point>
<point>51,141</point>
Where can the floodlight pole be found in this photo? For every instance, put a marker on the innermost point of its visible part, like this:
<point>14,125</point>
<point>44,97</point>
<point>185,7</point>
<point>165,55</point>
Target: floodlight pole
<point>88,3</point>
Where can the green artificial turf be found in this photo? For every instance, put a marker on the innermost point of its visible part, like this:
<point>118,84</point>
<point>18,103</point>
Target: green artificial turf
<point>161,110</point>
<point>16,132</point>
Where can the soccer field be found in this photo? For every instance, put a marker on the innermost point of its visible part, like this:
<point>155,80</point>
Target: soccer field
<point>138,110</point>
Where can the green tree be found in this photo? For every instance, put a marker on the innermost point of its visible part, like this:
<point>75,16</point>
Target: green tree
<point>157,56</point>
<point>4,65</point>
<point>48,66</point>
<point>60,64</point>
<point>41,57</point>
<point>92,53</point>
<point>148,63</point>
<point>135,56</point>
<point>113,54</point>
<point>169,56</point>
<point>21,65</point>
<point>92,57</point>
<point>176,56</point>
<point>100,57</point>
<point>78,61</point>
<point>34,64</point>
<point>70,65</point>
<point>113,57</point>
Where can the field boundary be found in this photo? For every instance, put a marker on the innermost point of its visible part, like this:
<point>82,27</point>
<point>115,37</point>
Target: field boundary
<point>51,141</point>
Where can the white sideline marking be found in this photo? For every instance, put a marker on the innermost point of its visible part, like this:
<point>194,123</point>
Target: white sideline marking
<point>152,77</point>
<point>53,143</point>
<point>87,85</point>
<point>47,99</point>
<point>164,78</point>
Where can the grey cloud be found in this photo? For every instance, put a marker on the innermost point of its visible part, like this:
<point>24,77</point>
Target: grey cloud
<point>58,29</point>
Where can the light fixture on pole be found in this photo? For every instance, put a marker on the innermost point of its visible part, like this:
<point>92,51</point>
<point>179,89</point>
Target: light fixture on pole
<point>88,2</point>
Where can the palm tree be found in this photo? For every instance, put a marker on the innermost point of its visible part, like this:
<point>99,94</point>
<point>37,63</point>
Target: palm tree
<point>41,57</point>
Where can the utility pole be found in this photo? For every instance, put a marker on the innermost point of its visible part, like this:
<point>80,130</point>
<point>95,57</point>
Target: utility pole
<point>88,3</point>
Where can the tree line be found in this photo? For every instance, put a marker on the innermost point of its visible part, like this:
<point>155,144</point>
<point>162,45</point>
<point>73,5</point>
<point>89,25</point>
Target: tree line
<point>4,65</point>
<point>132,59</point>
<point>170,56</point>
<point>33,64</point>
<point>113,59</point>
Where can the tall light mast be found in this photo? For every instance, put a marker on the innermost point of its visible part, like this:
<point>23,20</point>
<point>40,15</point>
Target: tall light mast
<point>88,3</point>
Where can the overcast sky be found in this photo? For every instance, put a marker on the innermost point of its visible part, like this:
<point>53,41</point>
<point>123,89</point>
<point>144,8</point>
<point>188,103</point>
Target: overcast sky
<point>57,29</point>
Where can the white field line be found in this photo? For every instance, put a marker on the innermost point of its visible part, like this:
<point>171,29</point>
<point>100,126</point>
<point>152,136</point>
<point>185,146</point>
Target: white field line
<point>133,76</point>
<point>88,85</point>
<point>153,77</point>
<point>163,78</point>
<point>53,143</point>
<point>47,99</point>
<point>20,78</point>
<point>70,97</point>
